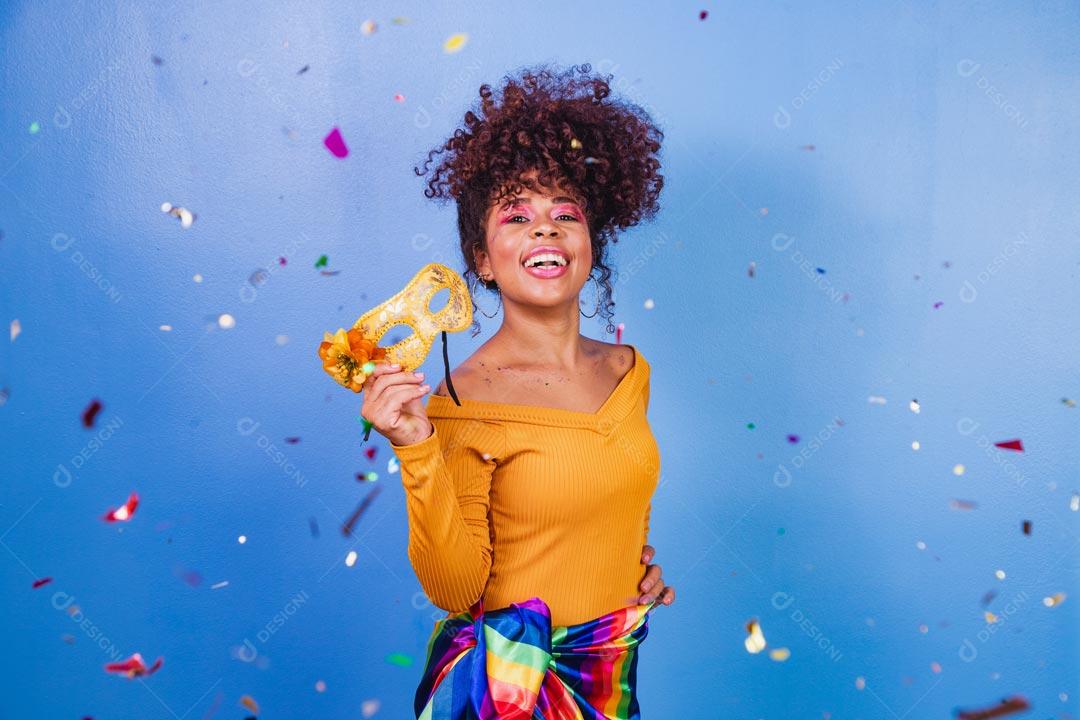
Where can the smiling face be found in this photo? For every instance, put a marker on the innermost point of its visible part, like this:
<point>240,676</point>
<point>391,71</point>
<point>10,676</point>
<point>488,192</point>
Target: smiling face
<point>515,228</point>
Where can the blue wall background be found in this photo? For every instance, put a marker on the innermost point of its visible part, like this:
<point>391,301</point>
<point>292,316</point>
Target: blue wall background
<point>871,160</point>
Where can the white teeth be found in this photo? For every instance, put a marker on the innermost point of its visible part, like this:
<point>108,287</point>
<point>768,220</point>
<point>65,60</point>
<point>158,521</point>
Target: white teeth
<point>551,257</point>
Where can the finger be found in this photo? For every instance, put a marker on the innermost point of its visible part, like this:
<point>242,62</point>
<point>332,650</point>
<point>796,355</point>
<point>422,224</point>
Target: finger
<point>652,575</point>
<point>647,553</point>
<point>668,595</point>
<point>376,387</point>
<point>653,592</point>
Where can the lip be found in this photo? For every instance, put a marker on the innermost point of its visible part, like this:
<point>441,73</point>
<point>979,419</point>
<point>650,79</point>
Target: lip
<point>546,249</point>
<point>548,272</point>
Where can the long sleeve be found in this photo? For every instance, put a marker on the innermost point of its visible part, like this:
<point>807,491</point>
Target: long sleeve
<point>447,482</point>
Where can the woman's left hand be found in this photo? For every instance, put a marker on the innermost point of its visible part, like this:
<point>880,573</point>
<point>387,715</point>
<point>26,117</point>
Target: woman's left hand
<point>652,586</point>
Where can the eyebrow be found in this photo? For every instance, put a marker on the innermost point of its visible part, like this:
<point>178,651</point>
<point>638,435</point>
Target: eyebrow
<point>526,201</point>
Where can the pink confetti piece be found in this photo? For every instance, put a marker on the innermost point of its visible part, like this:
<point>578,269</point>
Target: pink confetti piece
<point>335,143</point>
<point>41,581</point>
<point>134,666</point>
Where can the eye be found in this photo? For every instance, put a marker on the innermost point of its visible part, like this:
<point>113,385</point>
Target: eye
<point>572,217</point>
<point>515,217</point>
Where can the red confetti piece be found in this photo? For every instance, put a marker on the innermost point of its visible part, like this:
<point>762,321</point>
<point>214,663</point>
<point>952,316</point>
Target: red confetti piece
<point>1027,527</point>
<point>703,14</point>
<point>292,440</point>
<point>42,581</point>
<point>124,512</point>
<point>335,143</point>
<point>370,453</point>
<point>1011,445</point>
<point>134,666</point>
<point>399,97</point>
<point>1007,706</point>
<point>90,413</point>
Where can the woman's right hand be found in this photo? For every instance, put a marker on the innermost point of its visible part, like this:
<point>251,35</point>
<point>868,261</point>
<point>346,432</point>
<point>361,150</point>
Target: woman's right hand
<point>392,404</point>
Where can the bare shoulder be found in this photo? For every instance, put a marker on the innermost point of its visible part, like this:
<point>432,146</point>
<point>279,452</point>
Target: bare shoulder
<point>620,358</point>
<point>465,377</point>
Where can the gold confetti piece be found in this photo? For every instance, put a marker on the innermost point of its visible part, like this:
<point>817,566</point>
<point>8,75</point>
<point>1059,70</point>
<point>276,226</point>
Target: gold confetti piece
<point>914,406</point>
<point>197,277</point>
<point>958,469</point>
<point>921,545</point>
<point>755,641</point>
<point>1069,402</point>
<point>915,445</point>
<point>186,216</point>
<point>368,27</point>
<point>999,574</point>
<point>575,143</point>
<point>649,304</point>
<point>16,328</point>
<point>990,617</point>
<point>780,654</point>
<point>454,43</point>
<point>226,321</point>
<point>249,702</point>
<point>1054,600</point>
<point>350,559</point>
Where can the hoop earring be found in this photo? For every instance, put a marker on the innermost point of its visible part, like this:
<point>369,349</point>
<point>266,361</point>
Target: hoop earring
<point>597,309</point>
<point>485,279</point>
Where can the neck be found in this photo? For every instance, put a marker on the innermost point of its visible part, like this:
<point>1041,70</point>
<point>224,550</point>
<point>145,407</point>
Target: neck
<point>542,336</point>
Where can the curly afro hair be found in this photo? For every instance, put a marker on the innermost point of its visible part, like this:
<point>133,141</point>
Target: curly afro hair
<point>567,128</point>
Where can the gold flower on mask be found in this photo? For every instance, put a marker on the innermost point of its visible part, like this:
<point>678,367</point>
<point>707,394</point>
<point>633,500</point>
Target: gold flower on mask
<point>349,357</point>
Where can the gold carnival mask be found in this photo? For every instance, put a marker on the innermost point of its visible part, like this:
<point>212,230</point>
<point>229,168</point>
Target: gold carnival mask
<point>350,356</point>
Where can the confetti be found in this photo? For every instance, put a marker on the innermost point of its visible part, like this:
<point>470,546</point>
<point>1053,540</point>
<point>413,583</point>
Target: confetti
<point>134,666</point>
<point>322,261</point>
<point>292,440</point>
<point>575,144</point>
<point>779,654</point>
<point>249,702</point>
<point>1074,501</point>
<point>41,581</point>
<point>1054,600</point>
<point>185,216</point>
<point>90,413</point>
<point>5,393</point>
<point>350,559</point>
<point>191,577</point>
<point>1068,402</point>
<point>956,504</point>
<point>793,439</point>
<point>242,539</point>
<point>335,143</point>
<point>751,269</point>
<point>914,406</point>
<point>958,469</point>
<point>226,321</point>
<point>399,659</point>
<point>219,585</point>
<point>368,27</point>
<point>1011,445</point>
<point>320,686</point>
<point>649,304</point>
<point>398,97</point>
<point>124,512</point>
<point>755,641</point>
<point>1007,706</point>
<point>303,70</point>
<point>347,528</point>
<point>809,148</point>
<point>16,329</point>
<point>938,304</point>
<point>369,708</point>
<point>259,277</point>
<point>1027,527</point>
<point>454,43</point>
<point>156,60</point>
<point>392,466</point>
<point>999,574</point>
<point>876,400</point>
<point>988,597</point>
<point>370,452</point>
<point>34,128</point>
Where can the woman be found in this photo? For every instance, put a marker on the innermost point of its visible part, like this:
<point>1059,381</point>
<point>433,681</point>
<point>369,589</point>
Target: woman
<point>529,501</point>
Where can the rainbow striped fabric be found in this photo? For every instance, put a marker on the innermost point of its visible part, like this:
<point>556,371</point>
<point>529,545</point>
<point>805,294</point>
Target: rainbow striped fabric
<point>511,664</point>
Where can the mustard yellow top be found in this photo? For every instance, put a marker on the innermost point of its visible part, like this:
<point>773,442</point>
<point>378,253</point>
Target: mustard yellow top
<point>510,502</point>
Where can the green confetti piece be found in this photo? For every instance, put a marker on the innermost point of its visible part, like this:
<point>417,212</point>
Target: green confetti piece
<point>372,476</point>
<point>399,659</point>
<point>750,426</point>
<point>780,531</point>
<point>321,262</point>
<point>34,128</point>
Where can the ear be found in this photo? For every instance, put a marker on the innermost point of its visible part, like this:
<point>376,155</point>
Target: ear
<point>483,263</point>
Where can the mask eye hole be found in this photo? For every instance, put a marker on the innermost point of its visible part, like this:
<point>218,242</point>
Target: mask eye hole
<point>439,301</point>
<point>396,334</point>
